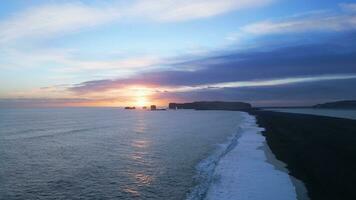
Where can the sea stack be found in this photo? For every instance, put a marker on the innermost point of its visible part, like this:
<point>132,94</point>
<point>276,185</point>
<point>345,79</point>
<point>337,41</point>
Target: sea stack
<point>153,107</point>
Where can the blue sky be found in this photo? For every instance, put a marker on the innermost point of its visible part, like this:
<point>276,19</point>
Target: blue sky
<point>100,53</point>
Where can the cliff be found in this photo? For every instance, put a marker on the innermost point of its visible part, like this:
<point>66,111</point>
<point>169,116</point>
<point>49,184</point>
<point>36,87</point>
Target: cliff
<point>211,105</point>
<point>338,105</point>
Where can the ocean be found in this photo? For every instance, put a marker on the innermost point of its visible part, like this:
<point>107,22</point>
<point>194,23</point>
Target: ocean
<point>110,153</point>
<point>100,153</point>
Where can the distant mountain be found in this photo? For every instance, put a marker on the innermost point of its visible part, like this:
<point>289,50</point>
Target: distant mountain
<point>338,105</point>
<point>211,105</point>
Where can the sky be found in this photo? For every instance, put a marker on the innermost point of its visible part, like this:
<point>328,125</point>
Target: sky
<point>143,52</point>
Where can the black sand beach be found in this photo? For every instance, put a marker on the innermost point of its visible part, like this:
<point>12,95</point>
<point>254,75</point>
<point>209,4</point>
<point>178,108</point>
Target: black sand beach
<point>320,151</point>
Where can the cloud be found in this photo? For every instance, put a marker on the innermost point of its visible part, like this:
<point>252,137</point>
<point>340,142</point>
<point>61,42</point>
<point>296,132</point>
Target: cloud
<point>222,72</point>
<point>181,10</point>
<point>258,66</point>
<point>274,82</point>
<point>125,63</point>
<point>17,58</point>
<point>350,7</point>
<point>322,22</point>
<point>72,64</point>
<point>302,94</point>
<point>53,19</point>
<point>107,85</point>
<point>21,31</point>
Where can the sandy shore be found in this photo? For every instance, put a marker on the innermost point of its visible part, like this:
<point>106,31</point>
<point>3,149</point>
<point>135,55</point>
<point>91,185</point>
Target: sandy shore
<point>320,151</point>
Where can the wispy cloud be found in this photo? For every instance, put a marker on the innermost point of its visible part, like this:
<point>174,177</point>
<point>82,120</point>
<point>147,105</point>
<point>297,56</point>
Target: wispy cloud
<point>125,63</point>
<point>351,7</point>
<point>181,10</point>
<point>69,63</point>
<point>265,83</point>
<point>53,19</point>
<point>39,23</point>
<point>301,94</point>
<point>108,85</point>
<point>336,21</point>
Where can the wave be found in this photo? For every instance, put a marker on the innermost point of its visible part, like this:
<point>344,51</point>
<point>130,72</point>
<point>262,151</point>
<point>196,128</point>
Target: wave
<point>30,130</point>
<point>206,168</point>
<point>239,169</point>
<point>47,133</point>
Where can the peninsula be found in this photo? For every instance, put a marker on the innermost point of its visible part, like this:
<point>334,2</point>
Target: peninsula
<point>351,104</point>
<point>212,105</point>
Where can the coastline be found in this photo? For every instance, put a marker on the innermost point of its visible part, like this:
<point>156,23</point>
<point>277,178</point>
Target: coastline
<point>318,150</point>
<point>300,189</point>
<point>249,170</point>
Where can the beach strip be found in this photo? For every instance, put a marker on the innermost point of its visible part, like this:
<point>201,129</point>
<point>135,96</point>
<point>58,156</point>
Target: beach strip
<point>249,170</point>
<point>318,150</point>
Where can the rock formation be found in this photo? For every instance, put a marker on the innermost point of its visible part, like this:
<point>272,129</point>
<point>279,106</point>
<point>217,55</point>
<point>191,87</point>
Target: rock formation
<point>338,105</point>
<point>211,105</point>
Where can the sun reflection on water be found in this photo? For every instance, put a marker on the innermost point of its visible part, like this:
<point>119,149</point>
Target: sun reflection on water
<point>140,158</point>
<point>143,179</point>
<point>141,124</point>
<point>132,191</point>
<point>140,143</point>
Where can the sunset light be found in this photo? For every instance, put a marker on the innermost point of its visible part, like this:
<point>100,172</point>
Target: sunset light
<point>178,99</point>
<point>140,95</point>
<point>142,101</point>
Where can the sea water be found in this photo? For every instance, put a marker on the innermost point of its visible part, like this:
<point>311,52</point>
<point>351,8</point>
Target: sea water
<point>110,153</point>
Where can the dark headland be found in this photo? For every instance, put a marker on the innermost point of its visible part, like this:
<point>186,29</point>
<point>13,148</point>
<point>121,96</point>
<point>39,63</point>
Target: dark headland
<point>318,150</point>
<point>338,105</point>
<point>212,105</point>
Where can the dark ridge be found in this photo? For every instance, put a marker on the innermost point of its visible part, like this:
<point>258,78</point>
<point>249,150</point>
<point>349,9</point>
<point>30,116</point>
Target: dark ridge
<point>351,104</point>
<point>211,105</point>
<point>320,151</point>
<point>154,108</point>
<point>130,108</point>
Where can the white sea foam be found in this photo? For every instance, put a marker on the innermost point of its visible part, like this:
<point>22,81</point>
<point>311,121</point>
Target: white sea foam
<point>206,168</point>
<point>239,170</point>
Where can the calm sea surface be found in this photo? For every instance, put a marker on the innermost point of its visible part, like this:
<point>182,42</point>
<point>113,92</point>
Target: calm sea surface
<point>349,114</point>
<point>106,153</point>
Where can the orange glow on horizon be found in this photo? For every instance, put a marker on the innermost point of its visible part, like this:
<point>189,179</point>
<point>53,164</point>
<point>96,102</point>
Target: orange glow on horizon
<point>138,102</point>
<point>141,96</point>
<point>135,95</point>
<point>142,101</point>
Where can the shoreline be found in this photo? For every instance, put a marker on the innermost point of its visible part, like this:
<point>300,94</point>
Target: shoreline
<point>318,150</point>
<point>300,189</point>
<point>248,171</point>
